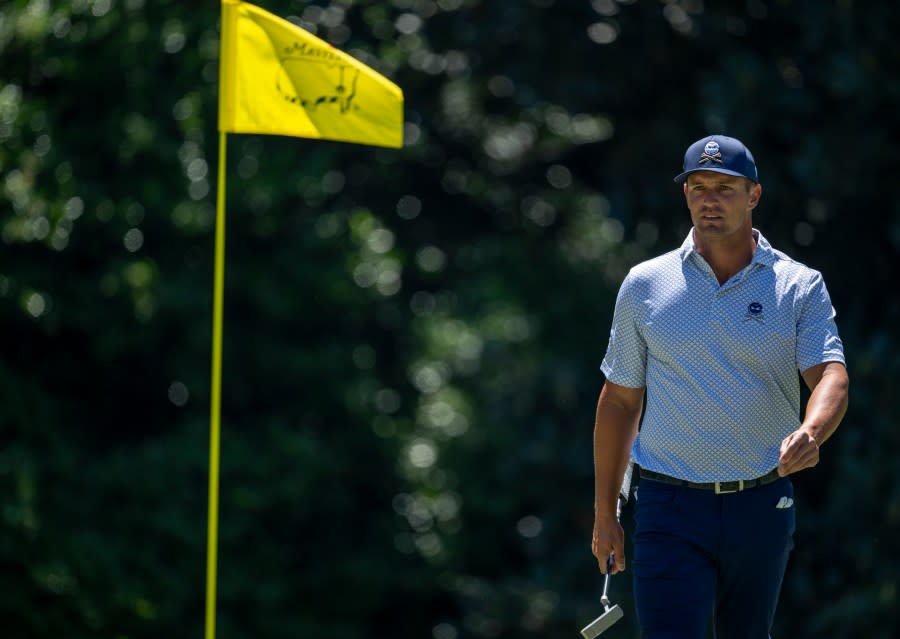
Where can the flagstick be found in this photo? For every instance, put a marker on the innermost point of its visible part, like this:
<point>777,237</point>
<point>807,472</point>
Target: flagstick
<point>215,398</point>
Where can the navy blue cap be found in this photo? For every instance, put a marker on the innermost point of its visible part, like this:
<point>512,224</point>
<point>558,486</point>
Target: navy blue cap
<point>721,154</point>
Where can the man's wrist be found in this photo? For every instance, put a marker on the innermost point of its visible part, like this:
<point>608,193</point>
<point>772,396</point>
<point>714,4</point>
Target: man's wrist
<point>603,511</point>
<point>814,432</point>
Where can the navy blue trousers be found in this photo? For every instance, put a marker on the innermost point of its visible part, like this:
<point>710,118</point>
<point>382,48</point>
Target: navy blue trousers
<point>699,557</point>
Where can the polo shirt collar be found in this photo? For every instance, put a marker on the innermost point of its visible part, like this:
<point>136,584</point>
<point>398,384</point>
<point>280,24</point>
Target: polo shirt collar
<point>764,253</point>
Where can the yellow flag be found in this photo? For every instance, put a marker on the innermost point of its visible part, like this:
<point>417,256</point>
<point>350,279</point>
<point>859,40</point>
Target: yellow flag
<point>277,78</point>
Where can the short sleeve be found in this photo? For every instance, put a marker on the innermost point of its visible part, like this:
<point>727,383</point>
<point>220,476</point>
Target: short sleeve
<point>625,363</point>
<point>817,335</point>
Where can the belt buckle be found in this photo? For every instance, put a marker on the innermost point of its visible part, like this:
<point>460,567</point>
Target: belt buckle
<point>726,491</point>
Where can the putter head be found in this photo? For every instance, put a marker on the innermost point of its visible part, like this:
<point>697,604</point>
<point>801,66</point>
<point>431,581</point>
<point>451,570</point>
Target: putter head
<point>601,623</point>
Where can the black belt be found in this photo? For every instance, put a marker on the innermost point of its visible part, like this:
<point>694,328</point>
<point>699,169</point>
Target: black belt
<point>721,487</point>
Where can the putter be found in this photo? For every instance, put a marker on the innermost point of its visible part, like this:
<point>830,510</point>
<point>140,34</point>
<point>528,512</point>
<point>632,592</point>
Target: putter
<point>612,613</point>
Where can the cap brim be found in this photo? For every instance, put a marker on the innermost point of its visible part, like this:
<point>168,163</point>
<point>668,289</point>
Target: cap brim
<point>681,176</point>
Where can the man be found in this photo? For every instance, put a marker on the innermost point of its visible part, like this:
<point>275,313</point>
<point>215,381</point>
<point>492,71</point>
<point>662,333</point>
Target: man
<point>716,333</point>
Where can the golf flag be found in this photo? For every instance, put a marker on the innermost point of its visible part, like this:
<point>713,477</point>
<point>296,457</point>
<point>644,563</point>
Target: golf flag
<point>277,78</point>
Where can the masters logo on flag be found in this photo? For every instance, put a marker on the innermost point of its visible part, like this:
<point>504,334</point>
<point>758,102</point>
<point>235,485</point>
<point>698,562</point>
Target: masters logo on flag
<point>277,78</point>
<point>343,80</point>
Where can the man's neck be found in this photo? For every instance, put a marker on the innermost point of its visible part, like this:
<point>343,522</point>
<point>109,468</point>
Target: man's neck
<point>726,256</point>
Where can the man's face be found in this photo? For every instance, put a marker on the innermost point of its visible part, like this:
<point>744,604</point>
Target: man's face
<point>720,204</point>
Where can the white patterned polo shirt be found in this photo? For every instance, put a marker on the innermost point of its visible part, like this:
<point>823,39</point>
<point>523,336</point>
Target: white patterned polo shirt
<point>720,362</point>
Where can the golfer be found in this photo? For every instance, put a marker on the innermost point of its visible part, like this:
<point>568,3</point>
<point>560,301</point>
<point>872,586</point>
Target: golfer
<point>714,333</point>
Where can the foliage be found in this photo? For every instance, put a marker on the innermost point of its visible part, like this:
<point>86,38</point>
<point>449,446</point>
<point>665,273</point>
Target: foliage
<point>411,337</point>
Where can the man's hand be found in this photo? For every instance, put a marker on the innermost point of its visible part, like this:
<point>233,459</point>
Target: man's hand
<point>609,539</point>
<point>799,450</point>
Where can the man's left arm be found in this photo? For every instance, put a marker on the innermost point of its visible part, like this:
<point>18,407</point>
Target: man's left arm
<point>829,385</point>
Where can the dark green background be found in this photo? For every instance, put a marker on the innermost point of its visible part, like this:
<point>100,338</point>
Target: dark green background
<point>412,337</point>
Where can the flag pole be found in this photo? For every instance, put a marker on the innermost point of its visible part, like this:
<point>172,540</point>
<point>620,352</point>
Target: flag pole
<point>215,397</point>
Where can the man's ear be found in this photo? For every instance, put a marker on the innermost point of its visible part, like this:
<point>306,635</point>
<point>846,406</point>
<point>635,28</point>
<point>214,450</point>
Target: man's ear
<point>755,195</point>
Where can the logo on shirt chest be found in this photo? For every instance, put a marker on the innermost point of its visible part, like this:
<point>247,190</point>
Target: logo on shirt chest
<point>755,312</point>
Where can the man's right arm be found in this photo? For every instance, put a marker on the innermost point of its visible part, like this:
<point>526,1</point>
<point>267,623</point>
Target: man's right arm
<point>616,425</point>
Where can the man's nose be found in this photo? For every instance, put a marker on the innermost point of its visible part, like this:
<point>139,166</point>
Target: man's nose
<point>709,197</point>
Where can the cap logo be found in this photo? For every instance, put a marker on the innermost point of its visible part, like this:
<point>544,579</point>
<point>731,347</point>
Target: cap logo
<point>711,153</point>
